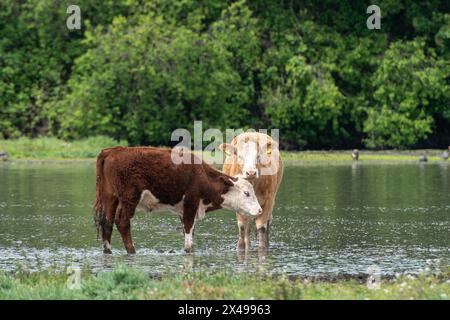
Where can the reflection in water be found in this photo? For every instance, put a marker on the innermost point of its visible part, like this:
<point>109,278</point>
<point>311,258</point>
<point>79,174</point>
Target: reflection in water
<point>130,259</point>
<point>106,261</point>
<point>246,261</point>
<point>355,167</point>
<point>260,261</point>
<point>328,219</point>
<point>188,265</point>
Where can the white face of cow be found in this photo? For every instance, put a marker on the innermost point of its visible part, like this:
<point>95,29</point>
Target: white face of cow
<point>247,155</point>
<point>241,198</point>
<point>255,155</point>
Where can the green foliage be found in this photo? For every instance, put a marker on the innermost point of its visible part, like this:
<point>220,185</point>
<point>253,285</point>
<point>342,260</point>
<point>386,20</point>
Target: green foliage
<point>122,282</point>
<point>37,52</point>
<point>403,110</point>
<point>307,105</point>
<point>142,79</point>
<point>138,70</point>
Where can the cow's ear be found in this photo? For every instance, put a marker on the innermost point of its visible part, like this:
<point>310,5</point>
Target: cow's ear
<point>227,181</point>
<point>227,148</point>
<point>269,148</point>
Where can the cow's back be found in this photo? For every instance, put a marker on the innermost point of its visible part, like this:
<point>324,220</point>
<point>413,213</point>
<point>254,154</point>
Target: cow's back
<point>128,171</point>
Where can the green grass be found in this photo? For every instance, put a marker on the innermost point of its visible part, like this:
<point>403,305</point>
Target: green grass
<point>54,149</point>
<point>130,283</point>
<point>364,156</point>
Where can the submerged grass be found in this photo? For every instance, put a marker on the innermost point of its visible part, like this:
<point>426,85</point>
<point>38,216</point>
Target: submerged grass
<point>130,283</point>
<point>47,148</point>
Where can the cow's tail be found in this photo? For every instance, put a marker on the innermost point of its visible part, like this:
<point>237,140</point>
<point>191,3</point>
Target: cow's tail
<point>99,213</point>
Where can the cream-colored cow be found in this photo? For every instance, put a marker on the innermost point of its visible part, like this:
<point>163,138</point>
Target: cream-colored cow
<point>257,157</point>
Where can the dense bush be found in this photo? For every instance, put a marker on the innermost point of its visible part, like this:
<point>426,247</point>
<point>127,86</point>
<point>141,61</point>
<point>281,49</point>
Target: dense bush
<point>139,69</point>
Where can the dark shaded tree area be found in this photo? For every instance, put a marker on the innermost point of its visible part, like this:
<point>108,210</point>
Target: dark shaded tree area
<point>140,69</point>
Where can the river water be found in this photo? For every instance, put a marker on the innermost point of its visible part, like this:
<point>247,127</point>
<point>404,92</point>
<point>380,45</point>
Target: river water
<point>328,219</point>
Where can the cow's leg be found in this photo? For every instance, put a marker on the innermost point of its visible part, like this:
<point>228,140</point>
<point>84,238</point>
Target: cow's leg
<point>262,224</point>
<point>243,225</point>
<point>263,237</point>
<point>108,223</point>
<point>190,208</point>
<point>188,227</point>
<point>124,213</point>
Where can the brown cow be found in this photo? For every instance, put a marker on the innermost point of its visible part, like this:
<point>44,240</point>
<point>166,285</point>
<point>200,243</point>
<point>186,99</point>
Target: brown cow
<point>147,178</point>
<point>257,157</point>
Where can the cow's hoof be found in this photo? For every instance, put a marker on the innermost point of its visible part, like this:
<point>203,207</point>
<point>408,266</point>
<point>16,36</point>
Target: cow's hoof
<point>107,251</point>
<point>131,251</point>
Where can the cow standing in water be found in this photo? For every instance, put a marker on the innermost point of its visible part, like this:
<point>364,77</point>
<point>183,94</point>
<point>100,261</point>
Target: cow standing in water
<point>257,157</point>
<point>147,178</point>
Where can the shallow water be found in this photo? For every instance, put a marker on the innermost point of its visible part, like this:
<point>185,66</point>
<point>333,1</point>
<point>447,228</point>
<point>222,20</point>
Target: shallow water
<point>328,219</point>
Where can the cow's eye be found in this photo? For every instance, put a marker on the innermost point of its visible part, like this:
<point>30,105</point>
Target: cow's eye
<point>247,193</point>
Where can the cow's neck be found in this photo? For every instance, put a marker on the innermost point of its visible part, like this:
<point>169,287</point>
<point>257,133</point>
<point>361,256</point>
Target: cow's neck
<point>212,190</point>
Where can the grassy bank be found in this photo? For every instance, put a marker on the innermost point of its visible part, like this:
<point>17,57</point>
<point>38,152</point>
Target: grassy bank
<point>87,149</point>
<point>364,156</point>
<point>55,149</point>
<point>128,283</point>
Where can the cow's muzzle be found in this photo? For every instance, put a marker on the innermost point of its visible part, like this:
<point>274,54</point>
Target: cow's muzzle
<point>251,174</point>
<point>256,212</point>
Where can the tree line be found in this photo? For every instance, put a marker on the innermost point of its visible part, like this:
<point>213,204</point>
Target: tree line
<point>137,70</point>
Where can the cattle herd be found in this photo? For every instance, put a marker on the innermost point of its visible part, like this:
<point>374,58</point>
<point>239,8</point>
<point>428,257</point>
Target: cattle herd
<point>147,178</point>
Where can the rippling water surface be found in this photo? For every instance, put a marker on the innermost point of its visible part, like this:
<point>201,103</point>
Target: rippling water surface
<point>328,219</point>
